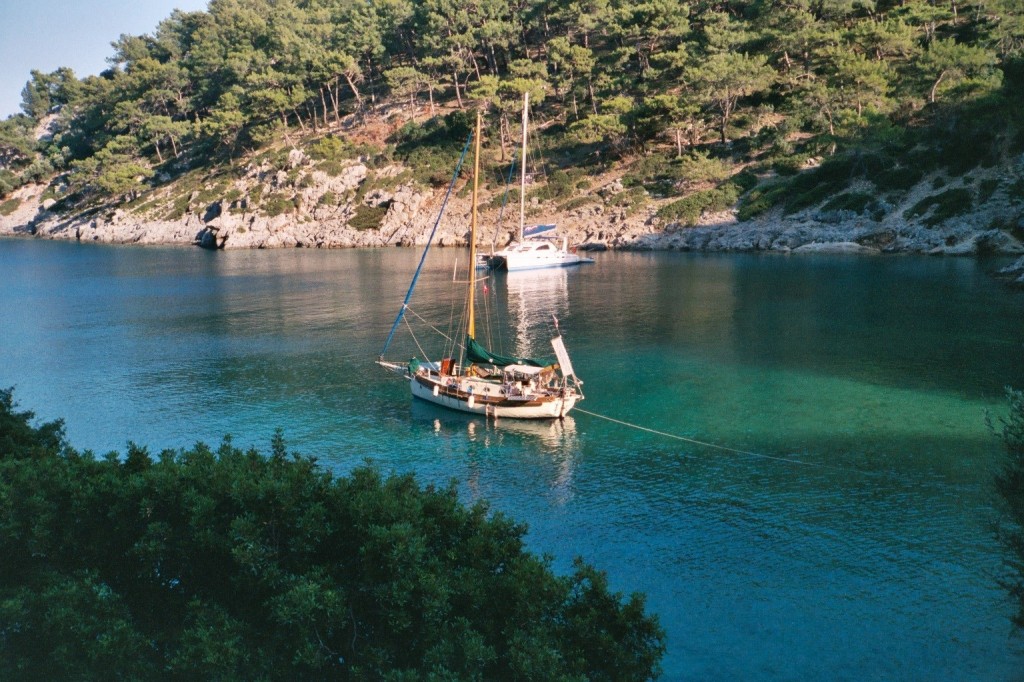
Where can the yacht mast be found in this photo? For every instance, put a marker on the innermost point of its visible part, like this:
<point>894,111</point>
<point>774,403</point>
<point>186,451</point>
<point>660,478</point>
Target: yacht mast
<point>471,325</point>
<point>522,170</point>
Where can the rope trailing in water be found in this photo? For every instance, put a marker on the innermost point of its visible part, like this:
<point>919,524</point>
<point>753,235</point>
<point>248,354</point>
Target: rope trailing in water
<point>758,455</point>
<point>416,275</point>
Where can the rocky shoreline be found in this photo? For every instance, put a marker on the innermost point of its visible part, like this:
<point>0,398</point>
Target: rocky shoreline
<point>407,216</point>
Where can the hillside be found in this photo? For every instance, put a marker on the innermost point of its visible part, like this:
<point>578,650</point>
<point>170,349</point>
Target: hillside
<point>303,196</point>
<point>871,126</point>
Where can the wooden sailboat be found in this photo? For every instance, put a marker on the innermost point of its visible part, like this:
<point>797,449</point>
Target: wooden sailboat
<point>486,383</point>
<point>532,249</point>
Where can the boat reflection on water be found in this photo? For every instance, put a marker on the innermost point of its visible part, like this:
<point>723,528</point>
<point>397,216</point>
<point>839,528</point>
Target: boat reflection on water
<point>547,435</point>
<point>534,296</point>
<point>547,449</point>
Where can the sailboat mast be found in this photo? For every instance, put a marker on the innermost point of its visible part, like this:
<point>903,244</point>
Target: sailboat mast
<point>522,169</point>
<point>471,325</point>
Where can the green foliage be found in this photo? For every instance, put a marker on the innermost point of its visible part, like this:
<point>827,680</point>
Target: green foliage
<point>432,148</point>
<point>807,188</point>
<point>1010,486</point>
<point>332,168</point>
<point>10,206</point>
<point>337,149</point>
<point>559,185</point>
<point>761,199</point>
<point>986,188</point>
<point>657,173</point>
<point>179,207</point>
<point>699,167</point>
<point>368,217</point>
<point>789,165</point>
<point>255,195</point>
<point>745,180</point>
<point>632,199</point>
<point>578,202</point>
<point>940,207</point>
<point>231,564</point>
<point>898,178</point>
<point>509,199</point>
<point>278,203</point>
<point>855,202</point>
<point>914,83</point>
<point>688,210</point>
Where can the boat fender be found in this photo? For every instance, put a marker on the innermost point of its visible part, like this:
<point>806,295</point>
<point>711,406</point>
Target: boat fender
<point>437,389</point>
<point>472,401</point>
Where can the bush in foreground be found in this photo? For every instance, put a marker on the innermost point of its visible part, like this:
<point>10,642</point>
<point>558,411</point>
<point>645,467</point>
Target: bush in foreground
<point>1010,484</point>
<point>226,564</point>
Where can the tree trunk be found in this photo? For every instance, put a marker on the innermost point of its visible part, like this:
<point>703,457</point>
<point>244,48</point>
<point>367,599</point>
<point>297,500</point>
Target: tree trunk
<point>335,101</point>
<point>355,90</point>
<point>458,95</point>
<point>159,156</point>
<point>311,110</point>
<point>931,95</point>
<point>476,66</point>
<point>679,142</point>
<point>506,133</point>
<point>284,125</point>
<point>323,103</point>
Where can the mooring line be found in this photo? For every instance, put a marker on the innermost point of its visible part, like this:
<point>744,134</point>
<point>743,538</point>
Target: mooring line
<point>716,446</point>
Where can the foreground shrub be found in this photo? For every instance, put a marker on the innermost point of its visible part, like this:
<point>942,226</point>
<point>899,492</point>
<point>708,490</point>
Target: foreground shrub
<point>204,564</point>
<point>1010,485</point>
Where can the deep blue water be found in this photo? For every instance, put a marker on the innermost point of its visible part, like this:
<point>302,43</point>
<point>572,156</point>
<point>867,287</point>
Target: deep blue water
<point>850,539</point>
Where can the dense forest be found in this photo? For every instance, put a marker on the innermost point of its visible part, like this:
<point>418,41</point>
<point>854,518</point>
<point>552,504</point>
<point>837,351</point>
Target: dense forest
<point>702,100</point>
<point>229,564</point>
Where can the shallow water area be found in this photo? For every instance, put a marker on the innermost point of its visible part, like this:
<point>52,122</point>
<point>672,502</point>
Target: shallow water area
<point>843,531</point>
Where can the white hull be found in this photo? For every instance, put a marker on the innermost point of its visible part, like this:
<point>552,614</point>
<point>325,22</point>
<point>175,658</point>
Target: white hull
<point>518,262</point>
<point>547,407</point>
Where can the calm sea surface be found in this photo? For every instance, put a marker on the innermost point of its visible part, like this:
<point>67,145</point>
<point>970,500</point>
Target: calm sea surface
<point>850,540</point>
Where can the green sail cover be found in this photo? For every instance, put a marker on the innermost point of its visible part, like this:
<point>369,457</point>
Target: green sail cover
<point>477,353</point>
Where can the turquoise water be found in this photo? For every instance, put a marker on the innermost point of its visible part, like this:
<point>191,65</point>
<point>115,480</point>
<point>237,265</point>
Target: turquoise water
<point>851,539</point>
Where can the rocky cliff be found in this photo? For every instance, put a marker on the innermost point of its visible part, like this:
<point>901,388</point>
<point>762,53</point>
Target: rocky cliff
<point>294,204</point>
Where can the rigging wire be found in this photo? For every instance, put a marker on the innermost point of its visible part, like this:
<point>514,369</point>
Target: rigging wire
<point>424,321</point>
<point>419,268</point>
<point>415,340</point>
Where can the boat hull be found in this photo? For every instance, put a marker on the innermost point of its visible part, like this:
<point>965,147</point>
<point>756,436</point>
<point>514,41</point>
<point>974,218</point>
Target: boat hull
<point>535,407</point>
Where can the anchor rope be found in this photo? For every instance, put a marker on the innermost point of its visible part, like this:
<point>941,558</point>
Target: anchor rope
<point>716,446</point>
